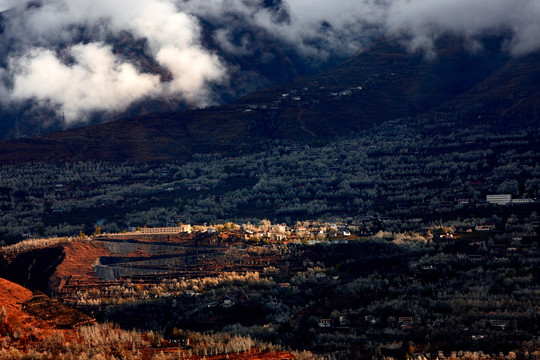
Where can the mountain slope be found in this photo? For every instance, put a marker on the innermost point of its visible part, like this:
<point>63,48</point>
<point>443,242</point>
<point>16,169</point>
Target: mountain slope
<point>510,93</point>
<point>267,61</point>
<point>148,138</point>
<point>397,84</point>
<point>381,83</point>
<point>33,315</point>
<point>13,296</point>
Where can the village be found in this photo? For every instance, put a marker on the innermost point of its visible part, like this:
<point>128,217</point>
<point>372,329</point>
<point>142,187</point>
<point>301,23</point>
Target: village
<point>320,293</point>
<point>318,285</point>
<point>404,175</point>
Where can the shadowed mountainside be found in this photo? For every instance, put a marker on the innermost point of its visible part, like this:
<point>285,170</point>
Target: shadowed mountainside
<point>381,83</point>
<point>268,62</point>
<point>33,315</point>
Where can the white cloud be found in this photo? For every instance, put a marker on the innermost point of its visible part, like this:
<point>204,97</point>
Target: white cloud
<point>350,24</point>
<point>425,20</point>
<point>99,79</point>
<point>192,70</point>
<point>8,4</point>
<point>296,22</point>
<point>96,82</point>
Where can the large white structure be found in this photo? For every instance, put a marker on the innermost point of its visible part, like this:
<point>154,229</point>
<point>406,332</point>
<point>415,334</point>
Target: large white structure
<point>522,201</point>
<point>167,230</point>
<point>499,199</point>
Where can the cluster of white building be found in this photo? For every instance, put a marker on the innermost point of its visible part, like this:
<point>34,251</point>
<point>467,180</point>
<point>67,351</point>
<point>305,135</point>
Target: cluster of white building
<point>505,199</point>
<point>166,230</point>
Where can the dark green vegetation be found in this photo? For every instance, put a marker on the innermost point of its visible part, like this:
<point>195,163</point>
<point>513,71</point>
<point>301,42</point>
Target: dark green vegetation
<point>395,151</point>
<point>386,295</point>
<point>378,295</point>
<point>413,171</point>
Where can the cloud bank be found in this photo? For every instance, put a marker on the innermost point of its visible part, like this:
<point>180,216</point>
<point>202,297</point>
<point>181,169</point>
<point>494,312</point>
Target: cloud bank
<point>97,81</point>
<point>8,4</point>
<point>59,53</point>
<point>423,21</point>
<point>87,75</point>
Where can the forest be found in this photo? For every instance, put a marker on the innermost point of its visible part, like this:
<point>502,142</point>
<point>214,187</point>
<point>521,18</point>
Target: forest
<point>413,172</point>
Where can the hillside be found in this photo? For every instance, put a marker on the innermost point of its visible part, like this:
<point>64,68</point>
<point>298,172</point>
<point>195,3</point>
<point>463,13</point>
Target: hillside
<point>38,327</point>
<point>15,319</point>
<point>32,317</point>
<point>381,83</point>
<point>13,296</point>
<point>442,292</point>
<point>51,268</point>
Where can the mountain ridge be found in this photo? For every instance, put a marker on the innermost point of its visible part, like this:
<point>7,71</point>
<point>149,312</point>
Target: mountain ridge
<point>266,62</point>
<point>380,83</point>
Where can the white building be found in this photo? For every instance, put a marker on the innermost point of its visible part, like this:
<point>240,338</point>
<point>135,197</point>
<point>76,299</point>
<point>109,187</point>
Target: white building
<point>167,230</point>
<point>522,201</point>
<point>499,199</point>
